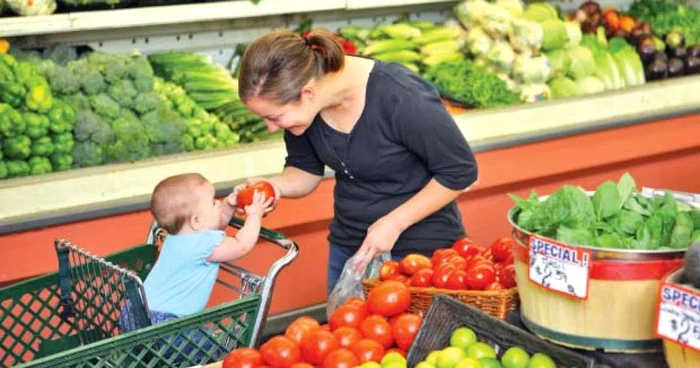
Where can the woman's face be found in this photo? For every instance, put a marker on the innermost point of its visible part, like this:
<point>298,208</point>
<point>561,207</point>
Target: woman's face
<point>294,117</point>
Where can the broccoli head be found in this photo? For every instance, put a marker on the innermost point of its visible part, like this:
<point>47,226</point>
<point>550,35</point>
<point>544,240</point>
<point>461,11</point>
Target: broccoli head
<point>60,54</point>
<point>86,154</point>
<point>128,114</point>
<point>115,69</point>
<point>62,81</point>
<point>91,81</point>
<point>90,126</point>
<point>163,126</point>
<point>123,92</point>
<point>78,101</point>
<point>131,142</point>
<point>105,106</point>
<point>147,102</point>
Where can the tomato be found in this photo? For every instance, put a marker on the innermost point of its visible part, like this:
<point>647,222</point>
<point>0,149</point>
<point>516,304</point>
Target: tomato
<point>494,286</point>
<point>479,277</point>
<point>457,280</point>
<point>325,327</point>
<point>476,261</point>
<point>317,345</point>
<point>441,274</point>
<point>389,298</point>
<point>347,336</point>
<point>341,358</point>
<point>502,248</point>
<point>245,196</point>
<point>300,327</point>
<point>405,329</point>
<point>506,276</point>
<point>440,255</point>
<point>347,316</point>
<point>243,358</point>
<point>301,365</point>
<point>422,278</point>
<point>487,254</point>
<point>508,261</point>
<point>358,303</point>
<point>458,262</point>
<point>368,350</point>
<point>465,247</point>
<point>280,352</point>
<point>388,270</point>
<point>498,266</point>
<point>375,327</point>
<point>413,263</point>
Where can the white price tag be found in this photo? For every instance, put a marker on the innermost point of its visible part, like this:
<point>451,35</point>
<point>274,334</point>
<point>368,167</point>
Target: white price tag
<point>678,316</point>
<point>560,268</point>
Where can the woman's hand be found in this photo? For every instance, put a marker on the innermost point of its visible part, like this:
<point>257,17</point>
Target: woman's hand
<point>381,237</point>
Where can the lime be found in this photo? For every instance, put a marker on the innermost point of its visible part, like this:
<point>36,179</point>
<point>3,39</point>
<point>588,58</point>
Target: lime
<point>432,357</point>
<point>490,363</point>
<point>394,364</point>
<point>468,363</point>
<point>515,357</point>
<point>481,350</point>
<point>370,365</point>
<point>540,360</point>
<point>462,338</point>
<point>425,364</point>
<point>393,357</point>
<point>449,357</point>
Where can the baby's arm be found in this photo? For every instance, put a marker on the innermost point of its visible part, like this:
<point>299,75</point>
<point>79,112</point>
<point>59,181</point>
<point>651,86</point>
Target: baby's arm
<point>236,247</point>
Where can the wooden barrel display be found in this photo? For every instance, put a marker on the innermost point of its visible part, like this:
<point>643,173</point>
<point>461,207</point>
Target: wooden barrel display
<point>619,311</point>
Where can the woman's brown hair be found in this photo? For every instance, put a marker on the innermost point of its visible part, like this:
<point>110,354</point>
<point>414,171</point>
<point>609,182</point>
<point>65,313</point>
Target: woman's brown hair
<point>277,65</point>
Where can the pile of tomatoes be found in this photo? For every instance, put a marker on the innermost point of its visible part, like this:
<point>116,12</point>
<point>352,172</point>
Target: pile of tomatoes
<point>358,331</point>
<point>464,266</point>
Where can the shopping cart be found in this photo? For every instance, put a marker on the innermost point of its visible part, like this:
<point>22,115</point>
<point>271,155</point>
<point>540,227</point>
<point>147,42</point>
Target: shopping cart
<point>71,318</point>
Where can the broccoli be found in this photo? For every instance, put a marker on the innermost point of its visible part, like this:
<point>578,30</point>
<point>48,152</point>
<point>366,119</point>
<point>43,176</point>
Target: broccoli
<point>128,114</point>
<point>60,54</point>
<point>147,102</point>
<point>43,67</point>
<point>99,60</point>
<point>164,126</point>
<point>188,142</point>
<point>90,126</point>
<point>87,154</point>
<point>62,81</point>
<point>78,101</point>
<point>141,73</point>
<point>105,106</point>
<point>42,147</point>
<point>123,92</point>
<point>131,142</point>
<point>91,81</point>
<point>39,165</point>
<point>167,148</point>
<point>3,170</point>
<point>115,69</point>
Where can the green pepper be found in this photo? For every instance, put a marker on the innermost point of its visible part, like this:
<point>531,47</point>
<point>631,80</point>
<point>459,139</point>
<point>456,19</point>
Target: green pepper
<point>24,71</point>
<point>11,122</point>
<point>19,147</point>
<point>7,60</point>
<point>63,143</point>
<point>188,142</point>
<point>61,161</point>
<point>39,165</point>
<point>42,147</point>
<point>38,96</point>
<point>61,117</point>
<point>37,125</point>
<point>12,93</point>
<point>6,74</point>
<point>17,168</point>
<point>3,170</point>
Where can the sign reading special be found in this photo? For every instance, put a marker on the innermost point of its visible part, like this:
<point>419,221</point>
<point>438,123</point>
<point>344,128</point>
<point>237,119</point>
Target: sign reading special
<point>678,317</point>
<point>560,268</point>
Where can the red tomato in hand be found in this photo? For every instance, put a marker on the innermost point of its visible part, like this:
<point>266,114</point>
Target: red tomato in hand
<point>440,255</point>
<point>441,274</point>
<point>347,316</point>
<point>341,358</point>
<point>506,276</point>
<point>389,298</point>
<point>413,263</point>
<point>347,336</point>
<point>457,280</point>
<point>502,248</point>
<point>368,350</point>
<point>317,345</point>
<point>478,278</point>
<point>280,352</point>
<point>465,247</point>
<point>405,329</point>
<point>300,327</point>
<point>245,196</point>
<point>422,278</point>
<point>388,270</point>
<point>243,358</point>
<point>375,327</point>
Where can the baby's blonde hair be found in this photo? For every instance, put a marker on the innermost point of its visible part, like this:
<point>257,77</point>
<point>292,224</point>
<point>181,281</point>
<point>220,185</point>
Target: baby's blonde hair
<point>172,200</point>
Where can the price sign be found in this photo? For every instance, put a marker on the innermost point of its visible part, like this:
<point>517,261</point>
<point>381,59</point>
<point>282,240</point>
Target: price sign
<point>678,316</point>
<point>560,268</point>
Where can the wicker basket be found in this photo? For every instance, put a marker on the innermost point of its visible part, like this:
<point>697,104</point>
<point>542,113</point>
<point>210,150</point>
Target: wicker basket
<point>496,303</point>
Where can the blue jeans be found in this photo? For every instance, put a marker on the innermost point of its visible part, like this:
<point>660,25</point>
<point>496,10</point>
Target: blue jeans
<point>337,257</point>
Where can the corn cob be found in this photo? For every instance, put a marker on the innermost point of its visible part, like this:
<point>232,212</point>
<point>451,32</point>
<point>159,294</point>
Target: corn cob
<point>437,35</point>
<point>412,67</point>
<point>400,31</point>
<point>377,47</point>
<point>442,47</point>
<point>401,56</point>
<point>423,25</point>
<point>435,59</point>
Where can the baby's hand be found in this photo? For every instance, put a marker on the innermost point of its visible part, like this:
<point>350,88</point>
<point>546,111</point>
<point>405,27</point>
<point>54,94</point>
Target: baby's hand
<point>232,199</point>
<point>259,204</point>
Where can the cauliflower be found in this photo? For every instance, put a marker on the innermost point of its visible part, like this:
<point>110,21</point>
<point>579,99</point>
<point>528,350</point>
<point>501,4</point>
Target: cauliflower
<point>496,21</point>
<point>532,70</point>
<point>501,56</point>
<point>525,35</point>
<point>470,12</point>
<point>31,8</point>
<point>478,42</point>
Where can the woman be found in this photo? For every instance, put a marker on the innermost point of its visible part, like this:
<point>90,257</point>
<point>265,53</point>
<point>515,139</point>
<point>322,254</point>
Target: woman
<point>399,158</point>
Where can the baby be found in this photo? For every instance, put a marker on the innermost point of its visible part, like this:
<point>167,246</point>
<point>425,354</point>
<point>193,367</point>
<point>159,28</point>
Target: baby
<point>183,277</point>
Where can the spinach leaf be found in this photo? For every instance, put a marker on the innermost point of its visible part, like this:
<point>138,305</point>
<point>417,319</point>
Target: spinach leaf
<point>695,238</point>
<point>633,204</point>
<point>627,222</point>
<point>613,240</point>
<point>682,231</point>
<point>606,200</point>
<point>626,186</point>
<point>577,236</point>
<point>695,215</point>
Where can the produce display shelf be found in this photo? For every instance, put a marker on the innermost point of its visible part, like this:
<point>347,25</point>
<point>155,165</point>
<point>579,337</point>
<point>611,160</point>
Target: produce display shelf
<point>51,199</point>
<point>372,4</point>
<point>159,15</point>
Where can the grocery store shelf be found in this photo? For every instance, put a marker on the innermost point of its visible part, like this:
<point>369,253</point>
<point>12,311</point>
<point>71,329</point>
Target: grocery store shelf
<point>372,4</point>
<point>52,199</point>
<point>161,15</point>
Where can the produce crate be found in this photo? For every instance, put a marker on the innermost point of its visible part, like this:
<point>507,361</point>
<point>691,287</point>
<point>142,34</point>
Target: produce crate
<point>496,303</point>
<point>447,314</point>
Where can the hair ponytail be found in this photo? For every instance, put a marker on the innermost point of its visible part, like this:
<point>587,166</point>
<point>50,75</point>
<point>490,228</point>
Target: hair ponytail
<point>279,64</point>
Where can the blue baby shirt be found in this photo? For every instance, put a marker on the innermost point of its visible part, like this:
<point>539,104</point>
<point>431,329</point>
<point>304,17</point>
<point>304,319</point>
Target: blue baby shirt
<point>182,280</point>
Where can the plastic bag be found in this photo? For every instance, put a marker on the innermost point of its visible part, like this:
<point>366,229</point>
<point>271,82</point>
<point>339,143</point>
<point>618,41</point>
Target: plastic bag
<point>350,283</point>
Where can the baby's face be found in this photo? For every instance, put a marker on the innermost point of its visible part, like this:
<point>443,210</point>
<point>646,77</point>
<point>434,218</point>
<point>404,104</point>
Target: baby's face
<point>208,208</point>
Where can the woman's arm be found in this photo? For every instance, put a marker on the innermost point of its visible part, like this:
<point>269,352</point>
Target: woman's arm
<point>295,183</point>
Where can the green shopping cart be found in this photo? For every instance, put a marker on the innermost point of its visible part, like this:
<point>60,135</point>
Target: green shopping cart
<point>71,318</point>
